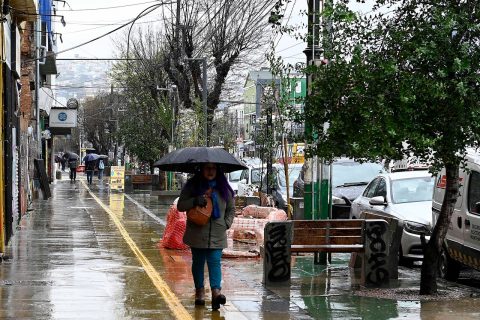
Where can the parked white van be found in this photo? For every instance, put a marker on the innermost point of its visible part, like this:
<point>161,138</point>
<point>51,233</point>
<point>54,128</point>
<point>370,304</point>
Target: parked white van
<point>462,243</point>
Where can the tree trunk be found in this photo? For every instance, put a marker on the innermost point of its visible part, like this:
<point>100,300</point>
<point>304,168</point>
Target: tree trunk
<point>152,169</point>
<point>432,250</point>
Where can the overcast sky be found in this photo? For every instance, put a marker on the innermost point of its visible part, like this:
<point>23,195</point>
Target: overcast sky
<point>87,19</point>
<point>84,24</point>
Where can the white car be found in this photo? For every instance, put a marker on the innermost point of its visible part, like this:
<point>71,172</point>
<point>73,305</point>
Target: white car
<point>406,196</point>
<point>250,179</point>
<point>233,179</point>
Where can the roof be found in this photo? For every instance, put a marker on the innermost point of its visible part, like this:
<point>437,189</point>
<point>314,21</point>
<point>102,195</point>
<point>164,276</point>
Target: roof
<point>258,75</point>
<point>408,174</point>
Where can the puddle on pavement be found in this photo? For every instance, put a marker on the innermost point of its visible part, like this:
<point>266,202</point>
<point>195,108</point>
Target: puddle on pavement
<point>106,268</point>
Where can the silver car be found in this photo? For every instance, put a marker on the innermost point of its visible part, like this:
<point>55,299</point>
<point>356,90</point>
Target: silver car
<point>406,196</point>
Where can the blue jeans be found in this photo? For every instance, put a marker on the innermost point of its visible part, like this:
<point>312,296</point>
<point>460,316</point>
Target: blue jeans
<point>213,258</point>
<point>89,176</point>
<point>100,174</point>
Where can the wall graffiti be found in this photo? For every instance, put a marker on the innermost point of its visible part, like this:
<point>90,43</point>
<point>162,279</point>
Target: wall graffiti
<point>276,253</point>
<point>376,253</point>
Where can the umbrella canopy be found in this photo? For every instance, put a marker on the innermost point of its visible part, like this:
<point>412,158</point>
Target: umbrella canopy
<point>189,159</point>
<point>70,155</point>
<point>91,157</point>
<point>103,156</point>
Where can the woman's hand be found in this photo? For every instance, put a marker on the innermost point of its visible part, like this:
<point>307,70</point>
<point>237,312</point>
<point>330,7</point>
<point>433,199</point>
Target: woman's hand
<point>200,201</point>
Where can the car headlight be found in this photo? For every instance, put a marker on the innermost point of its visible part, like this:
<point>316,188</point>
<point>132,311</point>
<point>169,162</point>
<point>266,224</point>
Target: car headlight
<point>417,228</point>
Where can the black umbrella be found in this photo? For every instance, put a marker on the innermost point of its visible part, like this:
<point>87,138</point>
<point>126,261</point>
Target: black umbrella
<point>189,159</point>
<point>70,155</point>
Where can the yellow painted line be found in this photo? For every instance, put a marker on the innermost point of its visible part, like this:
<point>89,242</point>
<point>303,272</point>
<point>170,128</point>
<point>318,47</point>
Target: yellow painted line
<point>170,298</point>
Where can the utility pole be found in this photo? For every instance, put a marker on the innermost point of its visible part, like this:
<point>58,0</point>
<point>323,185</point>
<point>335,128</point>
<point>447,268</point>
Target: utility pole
<point>37,88</point>
<point>312,52</point>
<point>318,174</point>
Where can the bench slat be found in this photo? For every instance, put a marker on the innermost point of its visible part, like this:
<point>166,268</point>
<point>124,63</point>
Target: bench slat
<point>141,179</point>
<point>327,248</point>
<point>334,223</point>
<point>327,240</point>
<point>307,232</point>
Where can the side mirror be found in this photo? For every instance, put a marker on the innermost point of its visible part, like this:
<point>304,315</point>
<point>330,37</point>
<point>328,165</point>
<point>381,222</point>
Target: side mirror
<point>378,201</point>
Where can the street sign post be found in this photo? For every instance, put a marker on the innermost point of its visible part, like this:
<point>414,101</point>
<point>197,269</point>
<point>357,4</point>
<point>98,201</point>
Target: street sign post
<point>117,178</point>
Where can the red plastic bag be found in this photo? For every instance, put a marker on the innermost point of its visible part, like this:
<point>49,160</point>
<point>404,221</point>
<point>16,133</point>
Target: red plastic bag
<point>176,224</point>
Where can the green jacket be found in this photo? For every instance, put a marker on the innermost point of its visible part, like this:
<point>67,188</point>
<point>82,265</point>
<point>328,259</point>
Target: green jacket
<point>212,235</point>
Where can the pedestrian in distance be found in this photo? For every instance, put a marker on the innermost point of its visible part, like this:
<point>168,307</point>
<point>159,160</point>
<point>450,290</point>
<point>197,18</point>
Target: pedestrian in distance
<point>207,241</point>
<point>101,167</point>
<point>89,169</point>
<point>73,164</point>
<point>63,163</point>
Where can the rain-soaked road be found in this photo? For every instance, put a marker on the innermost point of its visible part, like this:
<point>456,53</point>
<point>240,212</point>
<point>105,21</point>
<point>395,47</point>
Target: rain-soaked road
<point>94,255</point>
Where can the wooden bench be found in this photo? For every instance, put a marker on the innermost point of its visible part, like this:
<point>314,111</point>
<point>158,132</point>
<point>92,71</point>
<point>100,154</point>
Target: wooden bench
<point>328,236</point>
<point>141,179</point>
<point>369,238</point>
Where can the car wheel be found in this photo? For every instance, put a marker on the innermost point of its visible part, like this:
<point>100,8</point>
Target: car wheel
<point>448,268</point>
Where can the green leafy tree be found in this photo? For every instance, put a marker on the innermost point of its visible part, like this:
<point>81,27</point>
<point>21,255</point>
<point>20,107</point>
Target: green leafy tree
<point>403,79</point>
<point>97,121</point>
<point>145,125</point>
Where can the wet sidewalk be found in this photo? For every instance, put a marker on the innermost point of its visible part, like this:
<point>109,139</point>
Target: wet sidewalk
<point>89,254</point>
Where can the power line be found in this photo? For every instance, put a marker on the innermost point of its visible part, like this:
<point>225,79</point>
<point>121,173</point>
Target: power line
<point>96,38</point>
<point>288,20</point>
<point>96,59</point>
<point>289,47</point>
<point>104,8</point>
<point>54,99</point>
<point>104,25</point>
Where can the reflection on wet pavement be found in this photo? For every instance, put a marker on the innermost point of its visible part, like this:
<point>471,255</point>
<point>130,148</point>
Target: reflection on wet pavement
<point>69,261</point>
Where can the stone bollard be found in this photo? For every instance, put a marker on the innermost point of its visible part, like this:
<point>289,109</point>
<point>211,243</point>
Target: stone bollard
<point>277,256</point>
<point>394,236</point>
<point>375,269</point>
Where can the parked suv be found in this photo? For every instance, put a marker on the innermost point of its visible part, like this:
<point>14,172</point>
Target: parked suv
<point>462,243</point>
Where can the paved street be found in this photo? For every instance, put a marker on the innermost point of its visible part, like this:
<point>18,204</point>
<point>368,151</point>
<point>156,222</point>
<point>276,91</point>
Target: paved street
<point>93,255</point>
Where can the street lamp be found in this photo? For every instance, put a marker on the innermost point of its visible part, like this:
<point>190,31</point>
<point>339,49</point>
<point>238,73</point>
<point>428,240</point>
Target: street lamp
<point>204,94</point>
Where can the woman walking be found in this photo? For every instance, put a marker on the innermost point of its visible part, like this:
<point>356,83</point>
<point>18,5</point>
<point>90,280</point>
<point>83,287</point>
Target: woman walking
<point>207,241</point>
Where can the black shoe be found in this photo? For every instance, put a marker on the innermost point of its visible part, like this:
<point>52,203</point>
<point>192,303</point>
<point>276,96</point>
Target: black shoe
<point>217,299</point>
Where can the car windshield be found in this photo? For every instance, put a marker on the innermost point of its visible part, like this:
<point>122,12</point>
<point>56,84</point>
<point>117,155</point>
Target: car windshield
<point>257,175</point>
<point>293,173</point>
<point>412,190</point>
<point>354,173</point>
<point>235,176</point>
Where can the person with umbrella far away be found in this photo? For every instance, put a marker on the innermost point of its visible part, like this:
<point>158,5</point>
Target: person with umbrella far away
<point>72,159</point>
<point>101,166</point>
<point>90,161</point>
<point>206,241</point>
